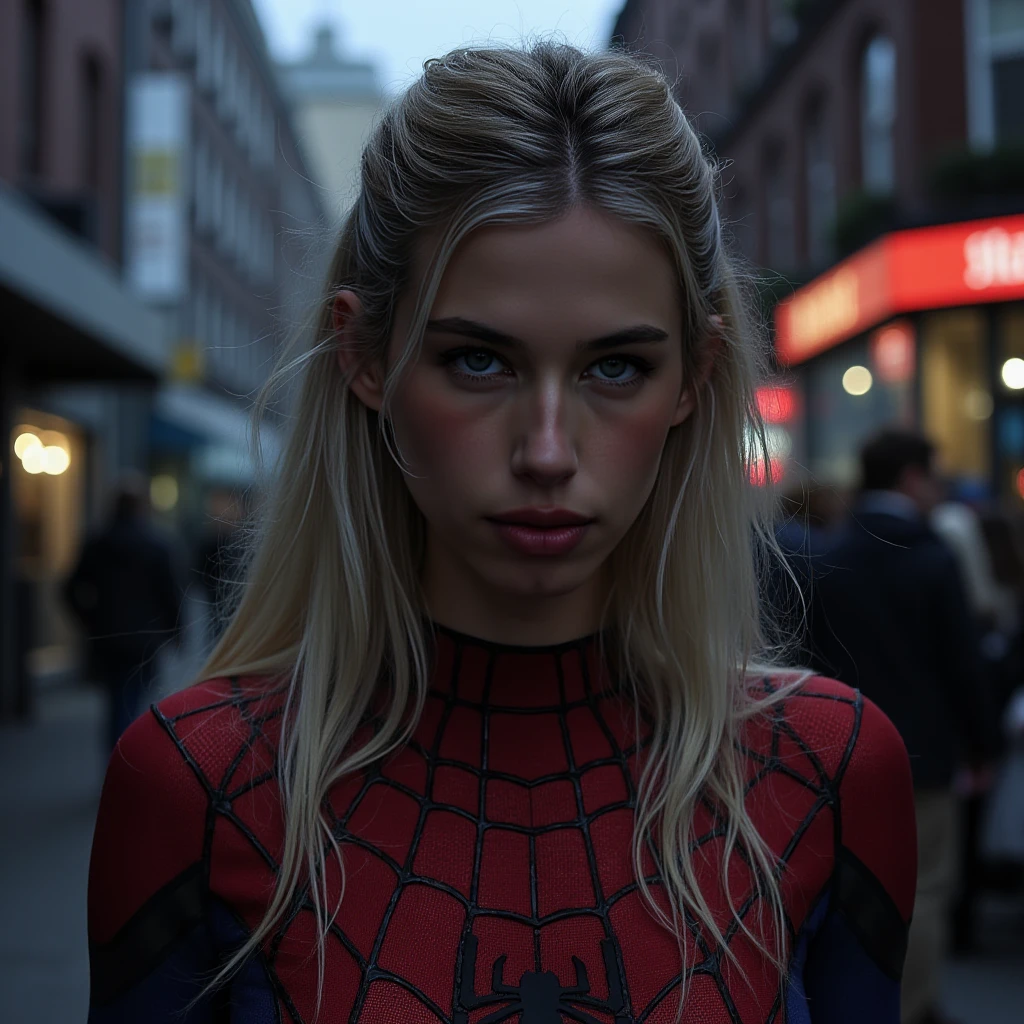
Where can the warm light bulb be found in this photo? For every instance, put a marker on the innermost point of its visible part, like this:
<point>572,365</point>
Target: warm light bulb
<point>857,381</point>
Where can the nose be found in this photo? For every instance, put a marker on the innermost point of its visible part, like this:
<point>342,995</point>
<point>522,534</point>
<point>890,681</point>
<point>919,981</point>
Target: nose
<point>544,450</point>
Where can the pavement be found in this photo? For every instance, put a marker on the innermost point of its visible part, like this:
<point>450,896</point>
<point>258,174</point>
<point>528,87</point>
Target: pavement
<point>53,769</point>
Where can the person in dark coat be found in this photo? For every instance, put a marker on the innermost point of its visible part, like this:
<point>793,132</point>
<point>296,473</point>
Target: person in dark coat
<point>890,616</point>
<point>126,592</point>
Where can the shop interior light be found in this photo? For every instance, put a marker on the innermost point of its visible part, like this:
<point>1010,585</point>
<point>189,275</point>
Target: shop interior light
<point>55,460</point>
<point>857,381</point>
<point>978,404</point>
<point>25,440</point>
<point>34,459</point>
<point>42,451</point>
<point>1013,374</point>
<point>1020,482</point>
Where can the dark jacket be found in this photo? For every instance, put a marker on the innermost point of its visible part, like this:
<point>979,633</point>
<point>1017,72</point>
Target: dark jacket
<point>127,595</point>
<point>889,616</point>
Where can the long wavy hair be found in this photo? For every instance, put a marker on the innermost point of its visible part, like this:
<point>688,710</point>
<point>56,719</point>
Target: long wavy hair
<point>514,136</point>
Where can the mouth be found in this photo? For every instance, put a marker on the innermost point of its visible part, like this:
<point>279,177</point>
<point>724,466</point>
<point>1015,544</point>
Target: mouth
<point>542,518</point>
<point>541,531</point>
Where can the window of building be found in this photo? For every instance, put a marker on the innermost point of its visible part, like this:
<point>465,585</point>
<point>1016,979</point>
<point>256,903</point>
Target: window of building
<point>878,115</point>
<point>995,63</point>
<point>742,56</point>
<point>956,403</point>
<point>204,47</point>
<point>218,59</point>
<point>230,217</point>
<point>92,123</point>
<point>228,98</point>
<point>778,207</point>
<point>216,194</point>
<point>32,86</point>
<point>819,172</point>
<point>183,27</point>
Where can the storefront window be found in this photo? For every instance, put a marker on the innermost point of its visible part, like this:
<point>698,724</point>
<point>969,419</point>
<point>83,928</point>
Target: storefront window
<point>956,402</point>
<point>850,397</point>
<point>1009,327</point>
<point>48,484</point>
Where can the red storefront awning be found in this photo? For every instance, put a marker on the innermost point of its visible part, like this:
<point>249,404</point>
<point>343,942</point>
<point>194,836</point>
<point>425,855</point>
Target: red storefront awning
<point>925,268</point>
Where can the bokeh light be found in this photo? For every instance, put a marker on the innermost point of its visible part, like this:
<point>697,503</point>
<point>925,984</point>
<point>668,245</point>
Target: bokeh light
<point>1013,374</point>
<point>163,492</point>
<point>857,381</point>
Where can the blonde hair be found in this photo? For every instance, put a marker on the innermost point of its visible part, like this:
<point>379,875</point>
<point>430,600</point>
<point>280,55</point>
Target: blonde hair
<point>492,136</point>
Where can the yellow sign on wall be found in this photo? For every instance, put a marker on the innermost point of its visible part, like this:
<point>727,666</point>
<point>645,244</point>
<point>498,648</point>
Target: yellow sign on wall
<point>188,363</point>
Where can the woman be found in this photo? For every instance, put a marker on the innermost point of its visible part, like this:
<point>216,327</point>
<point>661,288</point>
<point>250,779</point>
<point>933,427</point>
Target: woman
<point>483,740</point>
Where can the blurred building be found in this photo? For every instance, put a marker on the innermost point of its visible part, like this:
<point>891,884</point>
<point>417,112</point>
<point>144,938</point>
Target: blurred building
<point>874,154</point>
<point>81,355</point>
<point>336,98</point>
<point>158,237</point>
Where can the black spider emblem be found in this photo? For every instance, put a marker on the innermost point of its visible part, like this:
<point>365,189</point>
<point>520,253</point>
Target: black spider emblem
<point>539,997</point>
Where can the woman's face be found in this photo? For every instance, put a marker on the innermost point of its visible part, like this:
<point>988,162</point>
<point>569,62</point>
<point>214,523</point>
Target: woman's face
<point>550,374</point>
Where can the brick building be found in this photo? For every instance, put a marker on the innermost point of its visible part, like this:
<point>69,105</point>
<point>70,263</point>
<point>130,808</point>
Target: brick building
<point>847,124</point>
<point>158,232</point>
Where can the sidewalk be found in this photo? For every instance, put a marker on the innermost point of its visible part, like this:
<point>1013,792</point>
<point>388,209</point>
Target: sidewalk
<point>53,770</point>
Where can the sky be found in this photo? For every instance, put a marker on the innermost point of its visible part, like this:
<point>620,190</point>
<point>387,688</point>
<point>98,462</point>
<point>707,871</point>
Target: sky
<point>398,35</point>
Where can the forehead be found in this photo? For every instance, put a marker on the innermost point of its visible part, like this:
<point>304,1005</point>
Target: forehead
<point>582,274</point>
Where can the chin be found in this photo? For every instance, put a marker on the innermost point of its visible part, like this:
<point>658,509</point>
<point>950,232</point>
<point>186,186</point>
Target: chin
<point>540,580</point>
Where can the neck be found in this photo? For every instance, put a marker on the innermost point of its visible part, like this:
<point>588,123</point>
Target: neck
<point>465,603</point>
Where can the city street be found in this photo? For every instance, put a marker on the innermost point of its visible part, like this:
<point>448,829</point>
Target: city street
<point>54,768</point>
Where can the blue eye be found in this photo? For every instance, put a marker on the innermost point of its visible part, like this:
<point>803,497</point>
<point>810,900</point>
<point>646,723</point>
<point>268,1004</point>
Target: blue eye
<point>475,363</point>
<point>617,369</point>
<point>479,364</point>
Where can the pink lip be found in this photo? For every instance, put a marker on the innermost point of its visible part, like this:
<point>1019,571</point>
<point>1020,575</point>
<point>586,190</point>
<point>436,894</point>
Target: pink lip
<point>541,540</point>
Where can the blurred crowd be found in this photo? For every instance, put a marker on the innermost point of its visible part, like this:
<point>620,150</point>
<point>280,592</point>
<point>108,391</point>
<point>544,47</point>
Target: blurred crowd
<point>911,588</point>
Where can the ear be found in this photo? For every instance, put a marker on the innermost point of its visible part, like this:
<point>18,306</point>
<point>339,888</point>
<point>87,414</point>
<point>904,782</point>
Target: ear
<point>706,363</point>
<point>365,379</point>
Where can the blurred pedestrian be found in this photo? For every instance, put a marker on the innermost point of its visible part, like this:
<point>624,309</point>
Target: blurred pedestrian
<point>806,515</point>
<point>890,616</point>
<point>960,526</point>
<point>126,591</point>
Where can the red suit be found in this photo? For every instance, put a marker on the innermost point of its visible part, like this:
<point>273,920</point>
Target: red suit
<point>488,870</point>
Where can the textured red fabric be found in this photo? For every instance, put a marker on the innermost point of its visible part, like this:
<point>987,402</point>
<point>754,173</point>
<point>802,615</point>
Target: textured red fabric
<point>489,860</point>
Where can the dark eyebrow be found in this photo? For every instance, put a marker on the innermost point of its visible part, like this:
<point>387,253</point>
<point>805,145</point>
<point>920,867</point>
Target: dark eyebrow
<point>635,335</point>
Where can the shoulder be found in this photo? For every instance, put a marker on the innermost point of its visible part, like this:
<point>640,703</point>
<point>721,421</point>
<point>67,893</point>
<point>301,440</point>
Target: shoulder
<point>848,733</point>
<point>862,766</point>
<point>164,774</point>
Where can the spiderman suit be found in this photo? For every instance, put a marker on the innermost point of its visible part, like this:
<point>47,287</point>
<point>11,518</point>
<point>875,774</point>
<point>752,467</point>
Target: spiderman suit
<point>488,871</point>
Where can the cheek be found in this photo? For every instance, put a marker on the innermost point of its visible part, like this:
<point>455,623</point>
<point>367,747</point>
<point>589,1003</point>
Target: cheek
<point>628,453</point>
<point>443,442</point>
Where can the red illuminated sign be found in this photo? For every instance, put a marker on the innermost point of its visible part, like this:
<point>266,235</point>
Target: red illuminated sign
<point>926,268</point>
